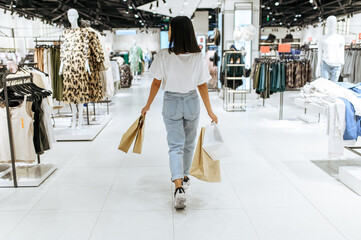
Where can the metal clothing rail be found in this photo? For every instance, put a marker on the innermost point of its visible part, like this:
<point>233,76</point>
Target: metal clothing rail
<point>43,171</point>
<point>10,129</point>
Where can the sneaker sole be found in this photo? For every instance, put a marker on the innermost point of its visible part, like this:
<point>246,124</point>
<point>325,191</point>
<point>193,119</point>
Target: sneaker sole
<point>180,202</point>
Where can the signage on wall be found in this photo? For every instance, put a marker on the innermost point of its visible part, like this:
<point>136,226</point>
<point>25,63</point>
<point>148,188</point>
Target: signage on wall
<point>265,49</point>
<point>359,36</point>
<point>284,48</point>
<point>202,43</point>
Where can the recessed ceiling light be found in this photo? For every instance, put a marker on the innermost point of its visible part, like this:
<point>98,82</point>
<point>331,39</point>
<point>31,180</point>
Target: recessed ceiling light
<point>185,2</point>
<point>315,7</point>
<point>280,23</point>
<point>136,16</point>
<point>273,19</point>
<point>311,1</point>
<point>130,7</point>
<point>210,16</point>
<point>127,12</point>
<point>263,6</point>
<point>268,8</point>
<point>277,3</point>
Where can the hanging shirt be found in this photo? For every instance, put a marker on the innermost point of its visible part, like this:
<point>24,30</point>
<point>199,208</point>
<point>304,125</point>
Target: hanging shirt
<point>23,131</point>
<point>180,73</point>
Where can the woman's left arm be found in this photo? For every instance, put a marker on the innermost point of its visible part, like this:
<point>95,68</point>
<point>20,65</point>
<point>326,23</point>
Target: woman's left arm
<point>153,92</point>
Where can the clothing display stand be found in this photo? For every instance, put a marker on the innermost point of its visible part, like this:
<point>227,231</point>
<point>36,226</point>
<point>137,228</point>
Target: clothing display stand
<point>25,175</point>
<point>229,94</point>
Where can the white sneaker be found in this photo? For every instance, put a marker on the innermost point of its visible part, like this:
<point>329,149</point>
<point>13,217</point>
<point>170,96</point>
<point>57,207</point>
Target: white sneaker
<point>186,182</point>
<point>180,198</point>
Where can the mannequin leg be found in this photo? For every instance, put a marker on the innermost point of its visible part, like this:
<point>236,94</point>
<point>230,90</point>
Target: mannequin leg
<point>74,112</point>
<point>80,119</point>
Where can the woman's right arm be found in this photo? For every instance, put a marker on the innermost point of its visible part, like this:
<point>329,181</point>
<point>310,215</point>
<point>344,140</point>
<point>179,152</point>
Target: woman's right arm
<point>153,92</point>
<point>203,91</point>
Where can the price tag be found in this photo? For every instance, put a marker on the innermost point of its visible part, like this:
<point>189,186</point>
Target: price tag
<point>284,48</point>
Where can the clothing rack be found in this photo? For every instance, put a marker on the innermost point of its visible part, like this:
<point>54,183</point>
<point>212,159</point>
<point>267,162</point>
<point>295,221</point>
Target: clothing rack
<point>281,105</point>
<point>5,82</point>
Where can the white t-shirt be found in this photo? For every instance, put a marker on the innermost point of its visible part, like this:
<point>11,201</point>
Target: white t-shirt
<point>333,49</point>
<point>180,73</point>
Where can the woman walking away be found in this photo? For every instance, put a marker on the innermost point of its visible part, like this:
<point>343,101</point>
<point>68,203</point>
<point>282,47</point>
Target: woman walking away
<point>181,70</point>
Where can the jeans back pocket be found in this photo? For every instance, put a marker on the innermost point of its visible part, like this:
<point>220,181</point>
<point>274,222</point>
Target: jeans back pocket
<point>169,108</point>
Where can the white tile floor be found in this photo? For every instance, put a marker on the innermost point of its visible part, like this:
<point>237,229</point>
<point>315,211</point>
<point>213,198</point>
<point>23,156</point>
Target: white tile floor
<point>270,190</point>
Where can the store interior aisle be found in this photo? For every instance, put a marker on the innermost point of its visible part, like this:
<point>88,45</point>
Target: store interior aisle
<point>270,188</point>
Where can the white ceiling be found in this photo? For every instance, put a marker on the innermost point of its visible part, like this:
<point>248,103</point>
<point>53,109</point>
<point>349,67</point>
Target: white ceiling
<point>178,7</point>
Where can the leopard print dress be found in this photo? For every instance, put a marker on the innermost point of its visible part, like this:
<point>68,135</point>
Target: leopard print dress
<point>79,45</point>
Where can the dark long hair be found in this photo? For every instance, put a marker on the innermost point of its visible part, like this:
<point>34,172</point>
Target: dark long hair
<point>183,38</point>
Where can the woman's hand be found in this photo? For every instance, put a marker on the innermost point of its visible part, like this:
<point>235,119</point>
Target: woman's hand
<point>213,117</point>
<point>145,110</point>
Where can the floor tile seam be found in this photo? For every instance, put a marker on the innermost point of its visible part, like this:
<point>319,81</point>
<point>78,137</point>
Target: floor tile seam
<point>277,167</point>
<point>62,211</point>
<point>245,211</point>
<point>101,210</point>
<point>17,224</point>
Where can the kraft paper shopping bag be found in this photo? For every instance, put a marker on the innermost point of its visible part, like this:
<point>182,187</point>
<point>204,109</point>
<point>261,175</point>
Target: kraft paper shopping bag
<point>139,139</point>
<point>136,131</point>
<point>204,167</point>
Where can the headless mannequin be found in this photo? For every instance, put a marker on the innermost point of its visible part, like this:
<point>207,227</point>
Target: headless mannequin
<point>76,108</point>
<point>331,52</point>
<point>135,73</point>
<point>146,59</point>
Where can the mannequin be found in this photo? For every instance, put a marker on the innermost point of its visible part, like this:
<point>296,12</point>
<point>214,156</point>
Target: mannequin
<point>331,52</point>
<point>134,59</point>
<point>73,16</point>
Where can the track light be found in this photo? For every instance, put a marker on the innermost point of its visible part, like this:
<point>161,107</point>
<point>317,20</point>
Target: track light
<point>170,11</point>
<point>165,2</point>
<point>151,6</point>
<point>157,3</point>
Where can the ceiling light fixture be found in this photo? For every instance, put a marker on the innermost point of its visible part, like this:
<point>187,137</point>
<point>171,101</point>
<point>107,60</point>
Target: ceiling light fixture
<point>315,7</point>
<point>277,3</point>
<point>130,7</point>
<point>136,16</point>
<point>157,3</point>
<point>263,6</point>
<point>165,2</point>
<point>185,2</point>
<point>210,16</point>
<point>311,1</point>
<point>126,12</point>
<point>151,6</point>
<point>170,11</point>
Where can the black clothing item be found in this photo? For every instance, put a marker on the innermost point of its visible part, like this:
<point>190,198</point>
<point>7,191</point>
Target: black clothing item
<point>233,58</point>
<point>41,141</point>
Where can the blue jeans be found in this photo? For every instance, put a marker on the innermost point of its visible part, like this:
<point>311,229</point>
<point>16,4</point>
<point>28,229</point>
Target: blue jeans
<point>181,117</point>
<point>330,72</point>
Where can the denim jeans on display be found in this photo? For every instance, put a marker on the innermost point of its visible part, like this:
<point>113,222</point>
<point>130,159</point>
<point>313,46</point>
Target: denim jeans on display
<point>181,117</point>
<point>330,72</point>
